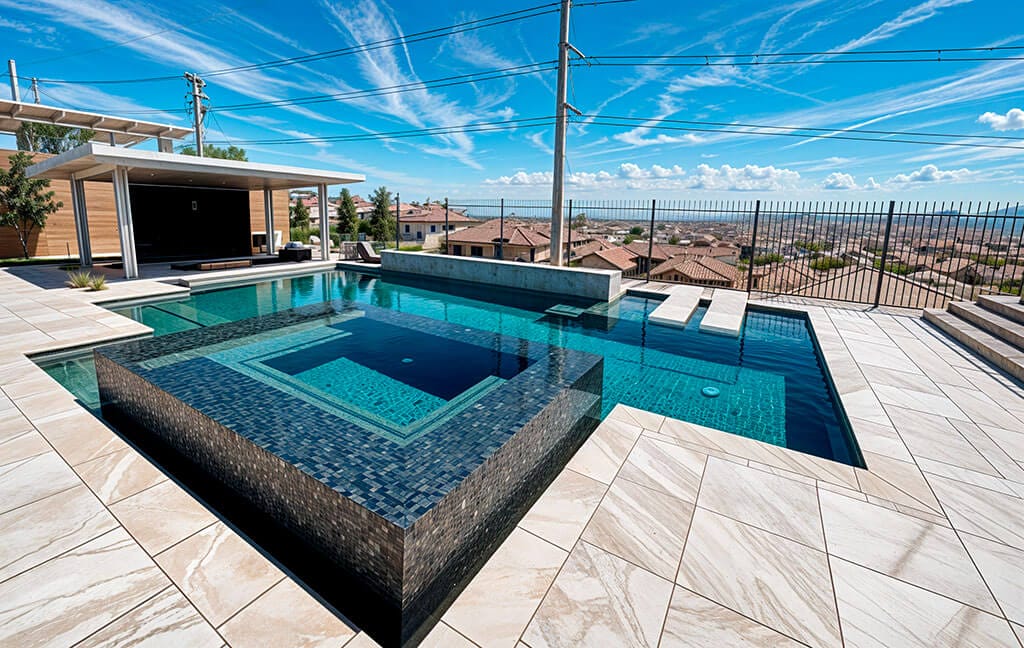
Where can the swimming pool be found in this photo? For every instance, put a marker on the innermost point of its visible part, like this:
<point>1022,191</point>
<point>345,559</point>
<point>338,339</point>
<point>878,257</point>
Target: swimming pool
<point>771,381</point>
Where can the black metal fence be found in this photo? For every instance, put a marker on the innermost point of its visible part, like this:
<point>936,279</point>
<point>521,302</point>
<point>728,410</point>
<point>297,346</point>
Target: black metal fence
<point>893,253</point>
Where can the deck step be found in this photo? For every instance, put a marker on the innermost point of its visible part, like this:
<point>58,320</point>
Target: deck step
<point>677,309</point>
<point>1001,327</point>
<point>725,314</point>
<point>1008,358</point>
<point>1008,306</point>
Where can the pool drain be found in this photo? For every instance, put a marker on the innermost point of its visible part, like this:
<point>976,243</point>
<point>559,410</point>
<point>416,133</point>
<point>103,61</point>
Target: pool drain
<point>711,392</point>
<point>406,360</point>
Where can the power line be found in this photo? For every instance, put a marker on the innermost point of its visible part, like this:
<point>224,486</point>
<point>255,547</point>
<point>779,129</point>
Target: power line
<point>808,128</point>
<point>655,124</point>
<point>596,61</point>
<point>416,37</point>
<point>888,52</point>
<point>460,79</point>
<point>439,32</point>
<point>506,124</point>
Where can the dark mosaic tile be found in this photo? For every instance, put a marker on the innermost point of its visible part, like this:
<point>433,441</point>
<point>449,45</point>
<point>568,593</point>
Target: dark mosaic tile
<point>412,520</point>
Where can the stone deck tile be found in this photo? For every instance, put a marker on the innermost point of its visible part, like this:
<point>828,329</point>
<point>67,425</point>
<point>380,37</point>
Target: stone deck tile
<point>900,579</point>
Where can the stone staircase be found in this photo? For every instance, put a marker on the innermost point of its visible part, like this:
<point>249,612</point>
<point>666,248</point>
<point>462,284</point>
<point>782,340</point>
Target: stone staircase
<point>992,327</point>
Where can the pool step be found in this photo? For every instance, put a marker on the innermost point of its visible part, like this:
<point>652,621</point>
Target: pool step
<point>678,308</point>
<point>996,350</point>
<point>562,310</point>
<point>725,314</point>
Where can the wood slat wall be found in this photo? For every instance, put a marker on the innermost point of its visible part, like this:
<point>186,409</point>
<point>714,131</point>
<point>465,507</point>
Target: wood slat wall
<point>58,237</point>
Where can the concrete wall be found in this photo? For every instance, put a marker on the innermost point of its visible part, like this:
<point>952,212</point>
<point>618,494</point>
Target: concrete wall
<point>587,283</point>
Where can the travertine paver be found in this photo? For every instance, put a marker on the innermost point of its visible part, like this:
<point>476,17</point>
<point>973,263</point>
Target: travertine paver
<point>659,532</point>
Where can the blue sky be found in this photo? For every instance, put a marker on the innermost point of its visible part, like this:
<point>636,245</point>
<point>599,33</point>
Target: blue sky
<point>86,39</point>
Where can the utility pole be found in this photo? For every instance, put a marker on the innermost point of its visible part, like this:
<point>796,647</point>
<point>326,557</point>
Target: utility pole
<point>12,71</point>
<point>561,109</point>
<point>35,89</point>
<point>198,110</point>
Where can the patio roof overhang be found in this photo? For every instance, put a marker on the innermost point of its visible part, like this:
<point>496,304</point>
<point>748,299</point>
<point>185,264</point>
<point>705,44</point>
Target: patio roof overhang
<point>96,162</point>
<point>108,128</point>
<point>124,166</point>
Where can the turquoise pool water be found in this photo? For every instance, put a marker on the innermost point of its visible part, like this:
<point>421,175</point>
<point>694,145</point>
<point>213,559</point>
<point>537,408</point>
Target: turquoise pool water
<point>770,381</point>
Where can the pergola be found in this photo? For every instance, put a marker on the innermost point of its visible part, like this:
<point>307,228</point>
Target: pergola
<point>109,129</point>
<point>124,166</point>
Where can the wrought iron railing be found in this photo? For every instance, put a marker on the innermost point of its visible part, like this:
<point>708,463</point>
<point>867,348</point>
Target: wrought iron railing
<point>892,253</point>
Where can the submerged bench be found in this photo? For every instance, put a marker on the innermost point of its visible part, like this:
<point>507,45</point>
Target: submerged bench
<point>725,314</point>
<point>677,309</point>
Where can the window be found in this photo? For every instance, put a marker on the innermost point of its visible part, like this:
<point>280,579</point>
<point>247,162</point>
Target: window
<point>419,234</point>
<point>433,228</point>
<point>406,229</point>
<point>476,250</point>
<point>457,250</point>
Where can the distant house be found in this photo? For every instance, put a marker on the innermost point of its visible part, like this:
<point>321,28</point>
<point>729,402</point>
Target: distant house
<point>960,269</point>
<point>517,241</point>
<point>425,224</point>
<point>615,258</point>
<point>699,270</point>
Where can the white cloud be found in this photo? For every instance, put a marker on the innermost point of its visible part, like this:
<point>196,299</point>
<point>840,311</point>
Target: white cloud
<point>631,176</point>
<point>871,185</point>
<point>747,178</point>
<point>930,173</point>
<point>839,182</point>
<point>1012,120</point>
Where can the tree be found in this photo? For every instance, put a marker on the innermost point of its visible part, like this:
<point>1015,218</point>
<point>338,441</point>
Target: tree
<point>673,240</point>
<point>50,138</point>
<point>347,216</point>
<point>298,214</point>
<point>579,221</point>
<point>24,202</point>
<point>382,220</point>
<point>629,239</point>
<point>211,151</point>
<point>636,231</point>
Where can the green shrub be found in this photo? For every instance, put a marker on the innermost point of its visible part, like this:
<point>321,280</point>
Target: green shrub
<point>99,282</point>
<point>412,248</point>
<point>827,263</point>
<point>302,234</point>
<point>771,257</point>
<point>79,279</point>
<point>894,267</point>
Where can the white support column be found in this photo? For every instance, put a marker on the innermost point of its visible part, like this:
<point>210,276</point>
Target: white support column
<point>325,226</point>
<point>81,222</point>
<point>123,204</point>
<point>268,216</point>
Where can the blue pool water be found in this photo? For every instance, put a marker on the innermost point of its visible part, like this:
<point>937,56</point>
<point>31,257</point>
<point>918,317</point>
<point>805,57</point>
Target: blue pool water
<point>770,381</point>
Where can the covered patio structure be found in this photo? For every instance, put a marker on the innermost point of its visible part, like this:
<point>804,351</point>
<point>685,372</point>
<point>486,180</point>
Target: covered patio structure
<point>164,181</point>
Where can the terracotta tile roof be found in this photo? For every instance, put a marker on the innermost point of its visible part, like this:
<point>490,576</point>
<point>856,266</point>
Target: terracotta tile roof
<point>590,247</point>
<point>620,257</point>
<point>516,233</point>
<point>658,252</point>
<point>697,268</point>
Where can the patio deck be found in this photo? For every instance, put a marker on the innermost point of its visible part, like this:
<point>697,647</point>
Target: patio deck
<point>657,532</point>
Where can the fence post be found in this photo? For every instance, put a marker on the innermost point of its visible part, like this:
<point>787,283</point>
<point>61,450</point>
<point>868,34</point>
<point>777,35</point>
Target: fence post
<point>753,247</point>
<point>568,252</point>
<point>501,232</point>
<point>446,226</point>
<point>650,241</point>
<point>398,221</point>
<point>885,253</point>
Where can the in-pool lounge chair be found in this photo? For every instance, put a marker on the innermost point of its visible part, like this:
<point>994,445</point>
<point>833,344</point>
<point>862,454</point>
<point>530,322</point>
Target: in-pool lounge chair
<point>366,253</point>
